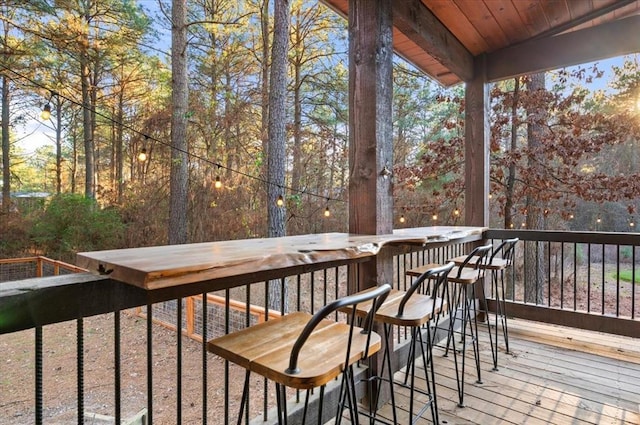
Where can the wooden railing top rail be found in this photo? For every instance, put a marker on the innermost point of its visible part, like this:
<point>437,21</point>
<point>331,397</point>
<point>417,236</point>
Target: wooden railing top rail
<point>41,301</point>
<point>164,266</point>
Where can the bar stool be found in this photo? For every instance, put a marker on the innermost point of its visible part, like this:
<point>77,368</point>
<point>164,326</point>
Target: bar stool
<point>464,278</point>
<point>302,351</point>
<point>413,309</point>
<point>497,265</point>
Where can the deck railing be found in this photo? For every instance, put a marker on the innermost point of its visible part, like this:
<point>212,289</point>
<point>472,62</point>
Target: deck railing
<point>580,279</point>
<point>172,380</point>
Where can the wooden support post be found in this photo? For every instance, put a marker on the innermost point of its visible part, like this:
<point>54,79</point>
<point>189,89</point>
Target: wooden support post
<point>370,132</point>
<point>370,120</point>
<point>476,155</point>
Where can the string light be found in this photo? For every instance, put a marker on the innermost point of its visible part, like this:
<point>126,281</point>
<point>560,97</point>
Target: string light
<point>327,213</point>
<point>434,217</point>
<point>402,218</point>
<point>598,220</point>
<point>142,156</point>
<point>218,183</point>
<point>456,212</point>
<point>46,112</point>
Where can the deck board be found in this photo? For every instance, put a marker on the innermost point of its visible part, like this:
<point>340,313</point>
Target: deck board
<point>543,381</point>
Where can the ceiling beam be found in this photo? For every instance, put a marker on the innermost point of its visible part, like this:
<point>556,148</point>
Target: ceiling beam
<point>417,22</point>
<point>604,41</point>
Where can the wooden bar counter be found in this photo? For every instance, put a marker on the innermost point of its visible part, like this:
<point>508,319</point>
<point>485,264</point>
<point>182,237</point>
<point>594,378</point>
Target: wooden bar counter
<point>165,266</point>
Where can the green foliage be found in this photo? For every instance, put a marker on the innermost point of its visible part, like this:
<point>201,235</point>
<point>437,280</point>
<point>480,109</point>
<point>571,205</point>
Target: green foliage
<point>627,276</point>
<point>72,223</point>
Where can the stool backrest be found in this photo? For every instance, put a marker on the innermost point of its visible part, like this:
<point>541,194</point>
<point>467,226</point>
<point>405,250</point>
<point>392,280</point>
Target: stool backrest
<point>438,276</point>
<point>507,247</point>
<point>377,295</point>
<point>480,258</point>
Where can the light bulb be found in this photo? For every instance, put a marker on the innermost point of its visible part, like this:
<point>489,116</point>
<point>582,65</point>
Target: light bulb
<point>218,183</point>
<point>327,213</point>
<point>46,112</point>
<point>142,156</point>
<point>456,212</point>
<point>402,218</point>
<point>631,224</point>
<point>434,217</point>
<point>280,201</point>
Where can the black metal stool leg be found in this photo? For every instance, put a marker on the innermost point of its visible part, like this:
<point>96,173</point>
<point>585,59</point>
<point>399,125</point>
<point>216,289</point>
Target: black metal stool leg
<point>245,398</point>
<point>503,313</point>
<point>474,329</point>
<point>494,288</point>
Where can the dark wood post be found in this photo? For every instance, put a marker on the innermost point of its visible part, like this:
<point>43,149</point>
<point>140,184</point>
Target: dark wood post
<point>370,133</point>
<point>476,154</point>
<point>370,124</point>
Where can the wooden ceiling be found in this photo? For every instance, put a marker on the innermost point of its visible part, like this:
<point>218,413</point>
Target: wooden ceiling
<point>444,38</point>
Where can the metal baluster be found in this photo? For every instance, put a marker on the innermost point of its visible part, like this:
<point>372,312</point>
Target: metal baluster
<point>150,363</point>
<point>204,311</point>
<point>227,311</point>
<point>589,278</point>
<point>117,367</point>
<point>603,283</point>
<point>38,371</point>
<point>179,362</point>
<point>575,273</point>
<point>80,371</point>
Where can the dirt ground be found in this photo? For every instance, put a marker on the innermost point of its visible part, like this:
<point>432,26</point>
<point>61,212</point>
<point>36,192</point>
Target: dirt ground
<point>17,386</point>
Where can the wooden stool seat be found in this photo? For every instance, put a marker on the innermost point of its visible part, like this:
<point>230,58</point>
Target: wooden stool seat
<point>413,308</point>
<point>418,309</point>
<point>495,264</point>
<point>462,275</point>
<point>305,351</point>
<point>322,358</point>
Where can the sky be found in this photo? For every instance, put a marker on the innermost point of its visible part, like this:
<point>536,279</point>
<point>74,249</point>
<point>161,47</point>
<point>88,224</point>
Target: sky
<point>35,133</point>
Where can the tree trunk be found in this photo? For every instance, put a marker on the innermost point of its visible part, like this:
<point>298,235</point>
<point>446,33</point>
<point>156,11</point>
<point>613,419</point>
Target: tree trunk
<point>296,172</point>
<point>264,89</point>
<point>511,177</point>
<point>119,142</point>
<point>6,146</point>
<point>178,198</point>
<point>58,144</point>
<point>277,136</point>
<point>534,251</point>
<point>89,189</point>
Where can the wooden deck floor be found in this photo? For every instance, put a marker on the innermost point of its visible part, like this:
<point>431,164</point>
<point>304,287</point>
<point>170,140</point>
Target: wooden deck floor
<point>553,375</point>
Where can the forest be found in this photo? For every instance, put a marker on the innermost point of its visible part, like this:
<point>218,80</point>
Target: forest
<point>125,96</point>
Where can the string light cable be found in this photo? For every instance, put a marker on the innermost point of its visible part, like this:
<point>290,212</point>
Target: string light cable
<point>192,155</point>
